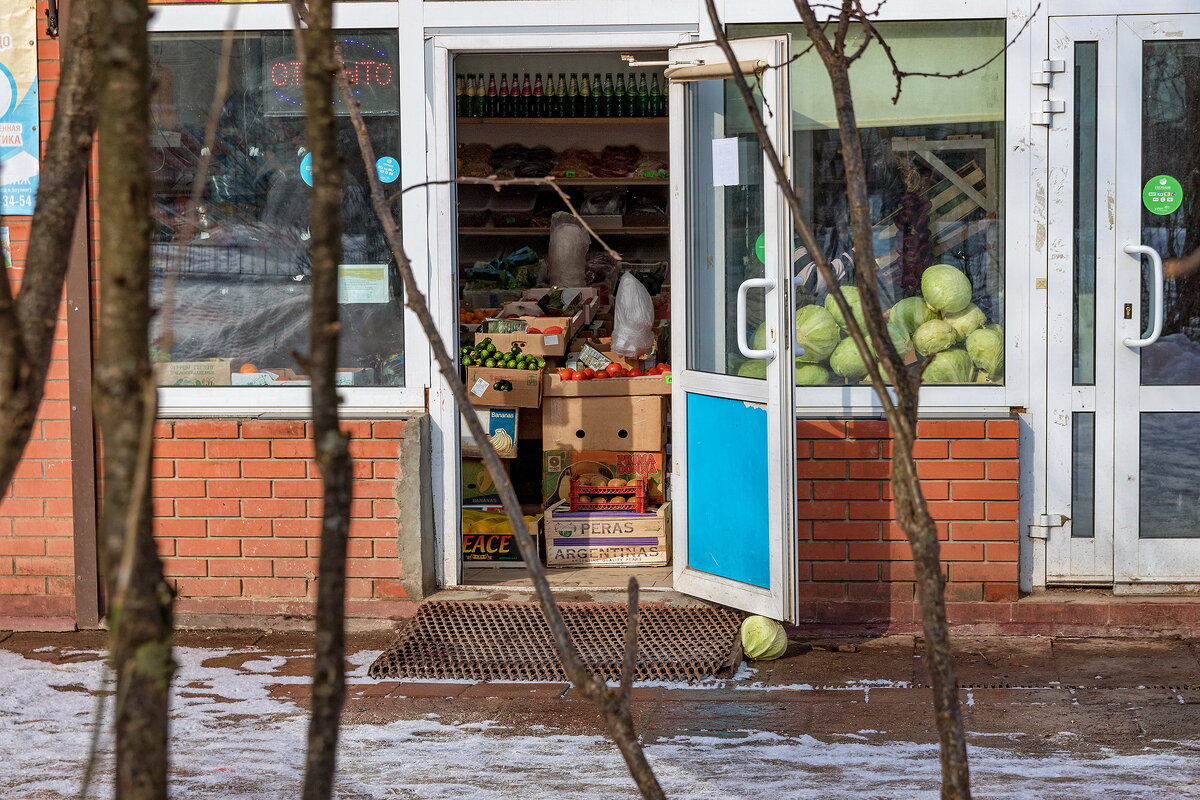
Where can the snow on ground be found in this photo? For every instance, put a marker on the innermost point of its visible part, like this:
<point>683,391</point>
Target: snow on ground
<point>233,740</point>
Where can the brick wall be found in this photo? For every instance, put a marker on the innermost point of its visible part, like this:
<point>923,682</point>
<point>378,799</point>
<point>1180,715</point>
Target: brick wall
<point>855,563</point>
<point>36,547</point>
<point>238,511</point>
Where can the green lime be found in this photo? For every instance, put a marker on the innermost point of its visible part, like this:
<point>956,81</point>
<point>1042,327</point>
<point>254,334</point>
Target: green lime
<point>491,362</point>
<point>486,340</point>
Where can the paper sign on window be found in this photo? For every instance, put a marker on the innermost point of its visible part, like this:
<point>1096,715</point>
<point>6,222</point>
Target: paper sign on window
<point>725,162</point>
<point>363,283</point>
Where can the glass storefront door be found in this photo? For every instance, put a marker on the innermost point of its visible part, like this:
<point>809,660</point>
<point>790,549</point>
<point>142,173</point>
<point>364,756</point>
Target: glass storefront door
<point>1124,441</point>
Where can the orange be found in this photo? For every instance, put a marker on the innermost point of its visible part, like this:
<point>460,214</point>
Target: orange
<point>247,368</point>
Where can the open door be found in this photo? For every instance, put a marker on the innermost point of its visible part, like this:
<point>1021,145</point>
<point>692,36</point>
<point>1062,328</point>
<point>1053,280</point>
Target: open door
<point>732,400</point>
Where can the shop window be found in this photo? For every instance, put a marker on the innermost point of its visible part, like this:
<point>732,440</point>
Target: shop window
<point>935,163</point>
<point>233,280</point>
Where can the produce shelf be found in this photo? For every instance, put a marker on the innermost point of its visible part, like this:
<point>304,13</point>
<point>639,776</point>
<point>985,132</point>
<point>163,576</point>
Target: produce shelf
<point>648,231</point>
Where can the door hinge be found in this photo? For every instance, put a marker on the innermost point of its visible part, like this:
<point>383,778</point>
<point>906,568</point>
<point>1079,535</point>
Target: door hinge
<point>1042,523</point>
<point>1045,75</point>
<point>1048,109</point>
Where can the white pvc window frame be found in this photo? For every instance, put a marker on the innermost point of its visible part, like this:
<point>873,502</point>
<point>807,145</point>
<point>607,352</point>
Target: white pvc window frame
<point>364,401</point>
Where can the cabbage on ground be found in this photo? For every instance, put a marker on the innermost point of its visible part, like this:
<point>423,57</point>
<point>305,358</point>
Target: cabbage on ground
<point>763,639</point>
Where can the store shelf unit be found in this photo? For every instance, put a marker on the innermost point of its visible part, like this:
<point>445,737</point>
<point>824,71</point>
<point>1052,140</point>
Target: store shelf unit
<point>647,231</point>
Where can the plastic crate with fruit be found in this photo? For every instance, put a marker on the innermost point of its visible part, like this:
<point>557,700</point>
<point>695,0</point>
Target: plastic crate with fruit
<point>615,495</point>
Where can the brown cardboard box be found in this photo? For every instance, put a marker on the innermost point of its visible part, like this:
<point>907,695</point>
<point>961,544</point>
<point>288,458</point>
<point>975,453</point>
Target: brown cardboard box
<point>526,387</point>
<point>214,372</point>
<point>607,539</point>
<point>604,423</point>
<point>554,386</point>
<point>537,344</point>
<point>559,466</point>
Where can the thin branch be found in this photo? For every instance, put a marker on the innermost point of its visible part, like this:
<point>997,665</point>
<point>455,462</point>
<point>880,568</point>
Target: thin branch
<point>629,664</point>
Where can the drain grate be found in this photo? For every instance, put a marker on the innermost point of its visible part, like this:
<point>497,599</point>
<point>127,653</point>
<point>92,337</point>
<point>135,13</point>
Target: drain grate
<point>482,641</point>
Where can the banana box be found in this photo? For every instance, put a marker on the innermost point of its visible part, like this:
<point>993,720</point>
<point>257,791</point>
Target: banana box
<point>500,424</point>
<point>488,536</point>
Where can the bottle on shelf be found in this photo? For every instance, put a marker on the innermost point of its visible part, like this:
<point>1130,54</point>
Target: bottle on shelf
<point>658,101</point>
<point>620,97</point>
<point>560,96</point>
<point>514,96</point>
<point>548,101</point>
<point>491,105</point>
<point>480,96</point>
<point>596,109</point>
<point>538,106</point>
<point>525,108</point>
<point>571,106</point>
<point>642,106</point>
<point>502,97</point>
<point>608,109</point>
<point>460,95</point>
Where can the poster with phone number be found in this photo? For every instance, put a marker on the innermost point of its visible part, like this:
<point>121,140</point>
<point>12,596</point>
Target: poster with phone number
<point>19,153</point>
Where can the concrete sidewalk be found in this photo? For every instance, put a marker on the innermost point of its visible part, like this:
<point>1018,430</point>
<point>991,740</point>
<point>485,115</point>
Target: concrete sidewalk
<point>1026,701</point>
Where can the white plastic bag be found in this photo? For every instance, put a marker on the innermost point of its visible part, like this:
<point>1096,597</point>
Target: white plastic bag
<point>567,257</point>
<point>633,326</point>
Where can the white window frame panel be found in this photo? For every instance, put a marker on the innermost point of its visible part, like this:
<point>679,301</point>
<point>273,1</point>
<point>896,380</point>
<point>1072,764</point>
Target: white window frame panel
<point>373,402</point>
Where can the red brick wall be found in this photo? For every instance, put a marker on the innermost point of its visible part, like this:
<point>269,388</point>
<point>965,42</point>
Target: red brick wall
<point>855,563</point>
<point>237,516</point>
<point>36,546</point>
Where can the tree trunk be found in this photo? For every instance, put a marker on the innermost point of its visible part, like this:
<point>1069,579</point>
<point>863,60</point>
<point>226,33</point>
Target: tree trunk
<point>27,323</point>
<point>140,602</point>
<point>332,446</point>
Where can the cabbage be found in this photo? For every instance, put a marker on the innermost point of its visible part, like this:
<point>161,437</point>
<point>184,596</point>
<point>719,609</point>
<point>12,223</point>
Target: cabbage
<point>899,336</point>
<point>986,348</point>
<point>945,288</point>
<point>846,361</point>
<point>912,313</point>
<point>933,337</point>
<point>753,368</point>
<point>966,321</point>
<point>811,374</point>
<point>950,366</point>
<point>817,332</point>
<point>759,342</point>
<point>763,639</point>
<point>852,299</point>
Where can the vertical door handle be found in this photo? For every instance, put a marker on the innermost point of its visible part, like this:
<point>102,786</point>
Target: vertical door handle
<point>743,345</point>
<point>1156,296</point>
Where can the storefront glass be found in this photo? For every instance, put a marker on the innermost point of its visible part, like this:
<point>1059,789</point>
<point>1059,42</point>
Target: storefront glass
<point>232,280</point>
<point>934,161</point>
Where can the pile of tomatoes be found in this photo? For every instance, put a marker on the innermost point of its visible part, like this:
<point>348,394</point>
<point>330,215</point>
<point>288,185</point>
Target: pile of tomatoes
<point>613,370</point>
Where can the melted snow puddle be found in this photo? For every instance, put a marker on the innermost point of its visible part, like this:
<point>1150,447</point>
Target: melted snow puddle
<point>234,740</point>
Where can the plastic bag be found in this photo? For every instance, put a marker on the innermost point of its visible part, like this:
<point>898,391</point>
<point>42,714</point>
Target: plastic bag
<point>633,326</point>
<point>567,259</point>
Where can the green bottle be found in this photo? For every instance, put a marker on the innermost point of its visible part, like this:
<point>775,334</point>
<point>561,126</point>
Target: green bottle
<point>597,107</point>
<point>609,108</point>
<point>571,107</point>
<point>560,96</point>
<point>642,107</point>
<point>621,97</point>
<point>658,101</point>
<point>460,95</point>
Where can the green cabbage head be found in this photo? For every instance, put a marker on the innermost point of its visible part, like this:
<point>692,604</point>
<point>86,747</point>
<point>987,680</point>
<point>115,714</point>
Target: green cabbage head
<point>753,368</point>
<point>933,337</point>
<point>945,288</point>
<point>950,366</point>
<point>986,348</point>
<point>899,336</point>
<point>817,332</point>
<point>912,313</point>
<point>763,639</point>
<point>966,321</point>
<point>846,361</point>
<point>853,299</point>
<point>811,374</point>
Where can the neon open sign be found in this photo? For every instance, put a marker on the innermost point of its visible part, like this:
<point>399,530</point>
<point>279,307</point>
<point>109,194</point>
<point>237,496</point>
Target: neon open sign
<point>370,71</point>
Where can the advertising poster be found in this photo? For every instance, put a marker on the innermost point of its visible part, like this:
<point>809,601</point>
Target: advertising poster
<point>19,153</point>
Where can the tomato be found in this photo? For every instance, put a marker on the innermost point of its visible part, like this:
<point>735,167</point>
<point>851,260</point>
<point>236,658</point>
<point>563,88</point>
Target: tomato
<point>663,369</point>
<point>533,330</point>
<point>580,376</point>
<point>620,373</point>
<point>553,329</point>
<point>600,375</point>
<point>566,374</point>
<point>636,372</point>
<point>613,368</point>
<point>589,372</point>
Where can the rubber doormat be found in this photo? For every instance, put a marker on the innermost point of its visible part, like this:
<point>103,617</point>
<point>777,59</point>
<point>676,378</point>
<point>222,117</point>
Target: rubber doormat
<point>481,641</point>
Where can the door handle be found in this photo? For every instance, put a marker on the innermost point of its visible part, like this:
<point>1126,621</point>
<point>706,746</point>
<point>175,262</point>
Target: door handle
<point>1156,296</point>
<point>743,345</point>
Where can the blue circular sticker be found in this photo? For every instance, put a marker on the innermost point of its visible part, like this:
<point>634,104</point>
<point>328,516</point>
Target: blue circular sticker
<point>306,168</point>
<point>388,169</point>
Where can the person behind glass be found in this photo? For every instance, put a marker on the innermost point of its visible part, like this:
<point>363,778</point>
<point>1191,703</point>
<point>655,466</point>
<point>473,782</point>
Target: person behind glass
<point>1181,266</point>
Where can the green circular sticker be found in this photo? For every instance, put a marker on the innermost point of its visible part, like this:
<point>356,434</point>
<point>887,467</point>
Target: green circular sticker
<point>760,248</point>
<point>1162,194</point>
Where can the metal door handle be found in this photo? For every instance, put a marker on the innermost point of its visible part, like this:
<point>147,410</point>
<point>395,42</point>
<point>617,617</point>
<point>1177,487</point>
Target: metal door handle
<point>1156,296</point>
<point>743,345</point>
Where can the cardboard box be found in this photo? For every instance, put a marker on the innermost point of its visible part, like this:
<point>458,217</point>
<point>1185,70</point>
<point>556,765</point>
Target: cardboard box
<point>559,466</point>
<point>478,487</point>
<point>554,386</point>
<point>526,387</point>
<point>487,537</point>
<point>607,539</point>
<point>605,423</point>
<point>501,425</point>
<point>589,299</point>
<point>214,372</point>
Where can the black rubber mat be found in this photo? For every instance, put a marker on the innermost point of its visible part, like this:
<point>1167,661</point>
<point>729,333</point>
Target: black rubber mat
<point>483,641</point>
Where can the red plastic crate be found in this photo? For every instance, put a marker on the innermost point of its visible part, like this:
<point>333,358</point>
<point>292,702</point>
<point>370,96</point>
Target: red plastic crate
<point>635,489</point>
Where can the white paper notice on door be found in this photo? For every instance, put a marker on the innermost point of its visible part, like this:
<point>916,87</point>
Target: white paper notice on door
<point>363,283</point>
<point>725,162</point>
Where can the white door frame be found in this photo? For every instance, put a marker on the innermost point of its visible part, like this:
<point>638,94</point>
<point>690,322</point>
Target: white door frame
<point>440,51</point>
<point>776,392</point>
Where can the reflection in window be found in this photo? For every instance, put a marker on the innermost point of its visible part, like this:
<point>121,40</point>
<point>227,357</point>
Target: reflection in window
<point>236,273</point>
<point>934,170</point>
<point>1084,339</point>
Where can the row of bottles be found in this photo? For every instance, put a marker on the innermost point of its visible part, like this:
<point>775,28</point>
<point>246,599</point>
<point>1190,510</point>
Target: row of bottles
<point>574,97</point>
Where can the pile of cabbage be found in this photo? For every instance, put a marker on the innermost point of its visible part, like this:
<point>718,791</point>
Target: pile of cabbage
<point>940,326</point>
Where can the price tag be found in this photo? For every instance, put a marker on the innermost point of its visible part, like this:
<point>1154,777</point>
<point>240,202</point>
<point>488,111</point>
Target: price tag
<point>550,340</point>
<point>479,388</point>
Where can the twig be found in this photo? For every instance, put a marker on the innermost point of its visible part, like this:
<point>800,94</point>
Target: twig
<point>629,665</point>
